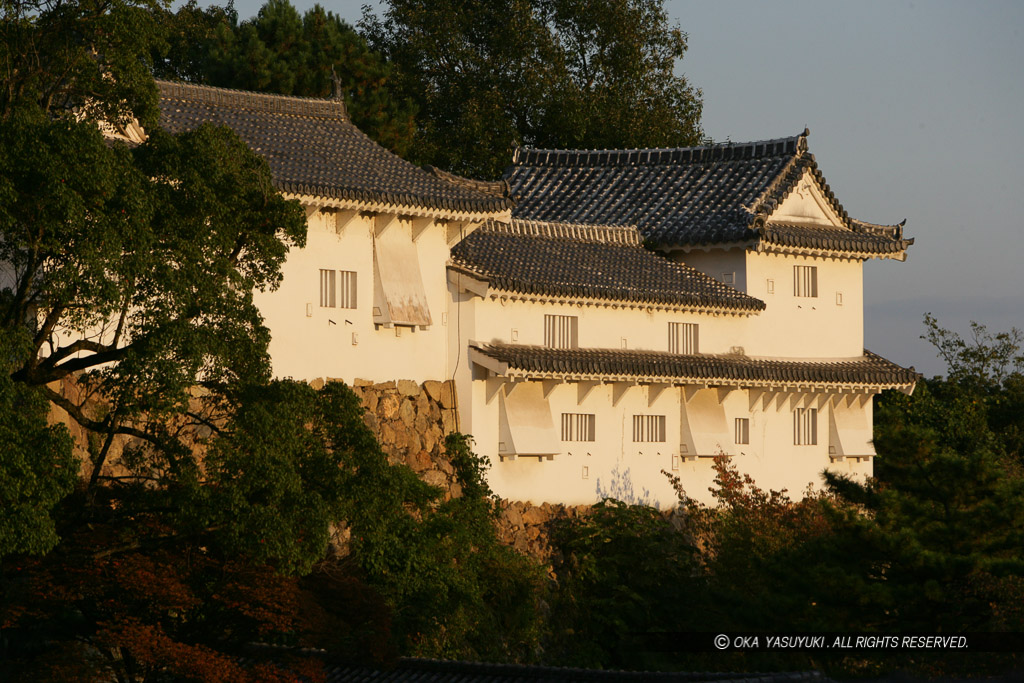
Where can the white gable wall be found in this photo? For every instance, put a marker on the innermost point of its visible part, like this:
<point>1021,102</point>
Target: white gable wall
<point>830,325</point>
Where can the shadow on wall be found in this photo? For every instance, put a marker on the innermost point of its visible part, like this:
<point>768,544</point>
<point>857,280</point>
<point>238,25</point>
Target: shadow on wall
<point>620,487</point>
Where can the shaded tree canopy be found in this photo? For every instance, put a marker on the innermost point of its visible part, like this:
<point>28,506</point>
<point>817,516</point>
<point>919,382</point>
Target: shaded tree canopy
<point>547,73</point>
<point>279,51</point>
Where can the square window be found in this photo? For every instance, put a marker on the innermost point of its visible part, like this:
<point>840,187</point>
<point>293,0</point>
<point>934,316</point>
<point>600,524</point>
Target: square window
<point>561,331</point>
<point>805,281</point>
<point>648,428</point>
<point>683,338</point>
<point>729,278</point>
<point>579,427</point>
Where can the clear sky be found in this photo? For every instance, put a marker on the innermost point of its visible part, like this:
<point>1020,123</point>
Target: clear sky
<point>916,111</point>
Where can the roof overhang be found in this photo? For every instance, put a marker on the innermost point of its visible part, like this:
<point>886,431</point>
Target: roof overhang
<point>320,201</point>
<point>634,375</point>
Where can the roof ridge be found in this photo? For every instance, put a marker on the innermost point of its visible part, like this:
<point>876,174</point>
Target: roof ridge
<point>497,188</point>
<point>721,151</point>
<point>580,232</point>
<point>283,104</point>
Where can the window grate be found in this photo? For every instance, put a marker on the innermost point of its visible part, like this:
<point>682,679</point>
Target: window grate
<point>648,428</point>
<point>805,281</point>
<point>348,289</point>
<point>683,338</point>
<point>742,430</point>
<point>561,331</point>
<point>328,289</point>
<point>579,427</point>
<point>805,427</point>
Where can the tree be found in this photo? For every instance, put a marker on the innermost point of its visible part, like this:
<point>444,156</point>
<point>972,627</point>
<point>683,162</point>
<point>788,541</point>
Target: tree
<point>458,592</point>
<point>36,466</point>
<point>624,575</point>
<point>282,52</point>
<point>486,77</point>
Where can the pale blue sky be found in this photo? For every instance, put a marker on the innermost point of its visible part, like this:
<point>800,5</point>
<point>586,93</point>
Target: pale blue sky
<point>915,112</point>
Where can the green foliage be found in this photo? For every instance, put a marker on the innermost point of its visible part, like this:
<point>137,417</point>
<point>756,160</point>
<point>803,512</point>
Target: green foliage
<point>36,466</point>
<point>548,73</point>
<point>457,591</point>
<point>89,56</point>
<point>625,573</point>
<point>282,52</point>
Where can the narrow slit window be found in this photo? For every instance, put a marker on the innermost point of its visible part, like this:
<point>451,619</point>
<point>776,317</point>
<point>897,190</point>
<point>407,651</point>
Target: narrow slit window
<point>805,281</point>
<point>579,427</point>
<point>805,427</point>
<point>742,430</point>
<point>648,428</point>
<point>348,289</point>
<point>328,289</point>
<point>561,331</point>
<point>683,338</point>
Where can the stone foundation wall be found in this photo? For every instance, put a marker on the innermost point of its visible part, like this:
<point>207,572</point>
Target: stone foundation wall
<point>411,421</point>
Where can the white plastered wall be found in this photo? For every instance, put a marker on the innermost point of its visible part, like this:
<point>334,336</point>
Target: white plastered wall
<point>614,465</point>
<point>608,327</point>
<point>830,325</point>
<point>310,341</point>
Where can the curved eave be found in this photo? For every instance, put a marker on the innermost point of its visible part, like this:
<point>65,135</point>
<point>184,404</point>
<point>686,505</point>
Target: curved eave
<point>767,247</point>
<point>371,206</point>
<point>504,294</point>
<point>514,374</point>
<point>873,379</point>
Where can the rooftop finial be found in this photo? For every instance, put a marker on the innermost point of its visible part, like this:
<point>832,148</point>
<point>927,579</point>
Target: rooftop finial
<point>335,85</point>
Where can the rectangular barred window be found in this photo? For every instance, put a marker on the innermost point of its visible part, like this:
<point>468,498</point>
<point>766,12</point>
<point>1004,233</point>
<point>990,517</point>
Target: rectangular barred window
<point>348,289</point>
<point>683,338</point>
<point>561,331</point>
<point>742,430</point>
<point>805,427</point>
<point>805,281</point>
<point>579,427</point>
<point>648,428</point>
<point>328,288</point>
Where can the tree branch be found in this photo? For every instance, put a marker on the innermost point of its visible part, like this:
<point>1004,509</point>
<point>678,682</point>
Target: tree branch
<point>75,411</point>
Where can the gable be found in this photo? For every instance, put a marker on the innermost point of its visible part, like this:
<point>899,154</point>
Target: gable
<point>807,204</point>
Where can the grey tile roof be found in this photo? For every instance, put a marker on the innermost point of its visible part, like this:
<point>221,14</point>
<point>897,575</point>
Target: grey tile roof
<point>861,238</point>
<point>871,370</point>
<point>564,260</point>
<point>314,149</point>
<point>686,196</point>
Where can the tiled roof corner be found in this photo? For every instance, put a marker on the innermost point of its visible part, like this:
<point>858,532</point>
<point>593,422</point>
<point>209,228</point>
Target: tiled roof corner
<point>495,188</point>
<point>536,258</point>
<point>313,149</point>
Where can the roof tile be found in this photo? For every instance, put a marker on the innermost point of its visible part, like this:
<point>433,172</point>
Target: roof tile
<point>869,370</point>
<point>690,196</point>
<point>565,260</point>
<point>314,149</point>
